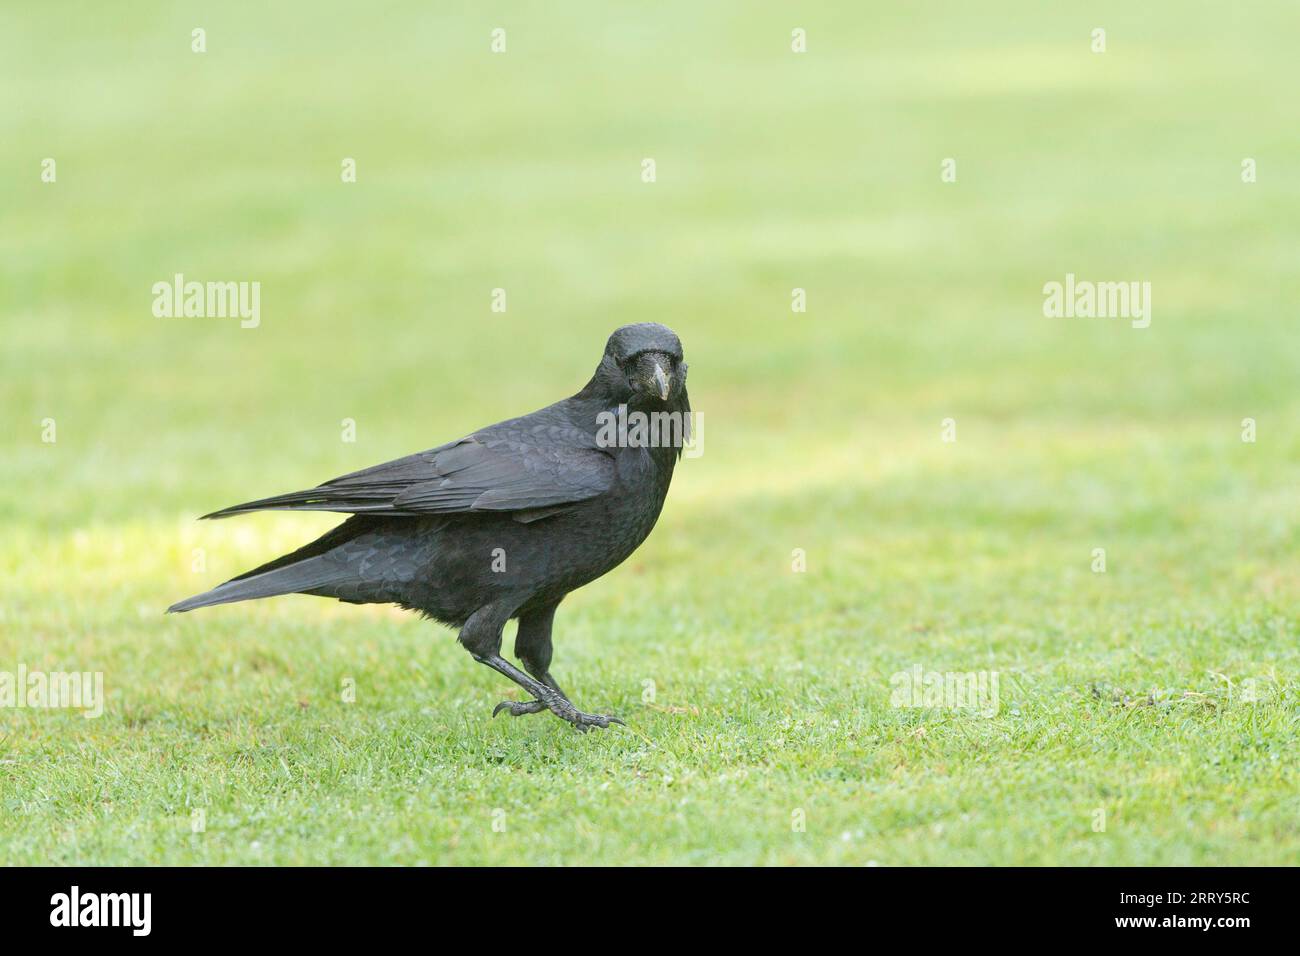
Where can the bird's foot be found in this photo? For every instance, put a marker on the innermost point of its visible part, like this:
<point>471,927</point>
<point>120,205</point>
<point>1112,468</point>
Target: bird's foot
<point>581,722</point>
<point>562,708</point>
<point>518,708</point>
<point>546,696</point>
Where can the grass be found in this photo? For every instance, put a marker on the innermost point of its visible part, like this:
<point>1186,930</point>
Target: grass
<point>1162,692</point>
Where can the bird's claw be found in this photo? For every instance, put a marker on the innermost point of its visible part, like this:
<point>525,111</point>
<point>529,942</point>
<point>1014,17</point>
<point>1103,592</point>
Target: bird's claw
<point>561,708</point>
<point>584,722</point>
<point>518,708</point>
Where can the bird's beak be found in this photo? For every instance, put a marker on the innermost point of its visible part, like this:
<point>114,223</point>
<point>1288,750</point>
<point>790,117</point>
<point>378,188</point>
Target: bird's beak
<point>663,380</point>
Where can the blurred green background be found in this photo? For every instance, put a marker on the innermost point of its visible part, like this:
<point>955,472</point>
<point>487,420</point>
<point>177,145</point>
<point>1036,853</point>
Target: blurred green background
<point>1120,691</point>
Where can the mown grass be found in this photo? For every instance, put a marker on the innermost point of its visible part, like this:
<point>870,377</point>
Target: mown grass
<point>1163,692</point>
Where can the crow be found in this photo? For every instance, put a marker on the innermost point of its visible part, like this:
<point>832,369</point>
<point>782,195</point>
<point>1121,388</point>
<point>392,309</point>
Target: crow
<point>503,523</point>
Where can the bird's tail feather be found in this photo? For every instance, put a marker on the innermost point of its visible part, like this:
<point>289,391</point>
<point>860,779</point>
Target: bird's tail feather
<point>293,579</point>
<point>302,570</point>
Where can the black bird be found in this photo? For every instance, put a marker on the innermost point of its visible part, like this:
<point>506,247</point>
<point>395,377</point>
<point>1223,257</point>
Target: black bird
<point>503,523</point>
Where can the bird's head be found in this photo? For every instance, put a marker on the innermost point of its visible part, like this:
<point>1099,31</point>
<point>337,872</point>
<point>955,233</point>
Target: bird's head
<point>643,367</point>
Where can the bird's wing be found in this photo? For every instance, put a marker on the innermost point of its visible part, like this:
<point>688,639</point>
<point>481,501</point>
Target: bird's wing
<point>515,469</point>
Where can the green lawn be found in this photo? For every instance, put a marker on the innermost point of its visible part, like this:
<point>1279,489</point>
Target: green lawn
<point>1162,692</point>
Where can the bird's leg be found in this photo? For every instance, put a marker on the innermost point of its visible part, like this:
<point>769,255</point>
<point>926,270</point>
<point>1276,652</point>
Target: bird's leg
<point>482,637</point>
<point>533,648</point>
